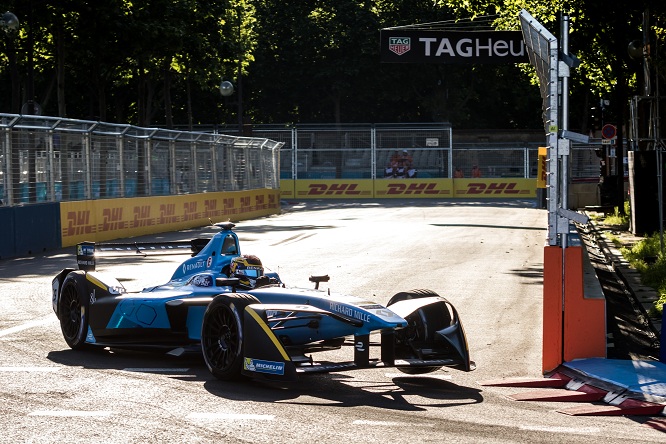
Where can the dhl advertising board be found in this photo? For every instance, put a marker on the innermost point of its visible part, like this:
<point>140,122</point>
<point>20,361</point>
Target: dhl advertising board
<point>333,188</point>
<point>287,189</point>
<point>494,188</point>
<point>429,188</point>
<point>107,219</point>
<point>408,188</point>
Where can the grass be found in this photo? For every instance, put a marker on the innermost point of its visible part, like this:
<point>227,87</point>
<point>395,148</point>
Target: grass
<point>619,220</point>
<point>648,259</point>
<point>646,256</point>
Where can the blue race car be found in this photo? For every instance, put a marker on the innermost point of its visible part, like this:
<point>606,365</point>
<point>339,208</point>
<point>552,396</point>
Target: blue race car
<point>246,321</point>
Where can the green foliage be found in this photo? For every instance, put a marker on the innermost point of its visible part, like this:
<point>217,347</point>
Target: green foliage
<point>618,219</point>
<point>647,257</point>
<point>160,61</point>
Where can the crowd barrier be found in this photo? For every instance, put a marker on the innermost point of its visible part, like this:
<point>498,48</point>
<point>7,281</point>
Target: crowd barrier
<point>33,229</point>
<point>408,188</point>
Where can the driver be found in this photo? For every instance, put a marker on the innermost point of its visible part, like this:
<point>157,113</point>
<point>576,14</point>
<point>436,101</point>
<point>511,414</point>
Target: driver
<point>249,271</point>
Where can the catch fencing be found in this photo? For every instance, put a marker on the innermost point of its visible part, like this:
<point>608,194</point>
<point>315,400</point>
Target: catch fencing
<point>50,159</point>
<point>365,152</point>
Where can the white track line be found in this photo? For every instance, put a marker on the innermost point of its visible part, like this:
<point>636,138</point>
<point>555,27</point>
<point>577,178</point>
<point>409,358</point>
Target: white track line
<point>29,369</point>
<point>231,416</point>
<point>390,423</point>
<point>27,325</point>
<point>71,413</point>
<point>574,430</point>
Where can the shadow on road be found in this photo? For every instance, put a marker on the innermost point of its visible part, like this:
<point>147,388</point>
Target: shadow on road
<point>397,392</point>
<point>341,390</point>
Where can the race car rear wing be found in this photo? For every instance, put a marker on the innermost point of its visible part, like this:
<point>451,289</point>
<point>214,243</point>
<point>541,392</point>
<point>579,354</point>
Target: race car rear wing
<point>88,252</point>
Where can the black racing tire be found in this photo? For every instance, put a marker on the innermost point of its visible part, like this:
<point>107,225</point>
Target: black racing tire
<point>424,323</point>
<point>411,294</point>
<point>73,314</point>
<point>222,334</point>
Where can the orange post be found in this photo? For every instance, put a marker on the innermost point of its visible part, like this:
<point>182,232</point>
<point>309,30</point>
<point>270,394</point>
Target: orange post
<point>584,315</point>
<point>552,308</point>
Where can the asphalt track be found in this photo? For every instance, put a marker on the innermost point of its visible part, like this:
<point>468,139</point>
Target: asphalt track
<point>486,257</point>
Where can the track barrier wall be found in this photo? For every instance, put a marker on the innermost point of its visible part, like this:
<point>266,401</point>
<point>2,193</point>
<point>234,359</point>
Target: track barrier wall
<point>28,230</point>
<point>107,219</point>
<point>410,188</point>
<point>574,324</point>
<point>64,180</point>
<point>152,175</point>
<point>32,229</point>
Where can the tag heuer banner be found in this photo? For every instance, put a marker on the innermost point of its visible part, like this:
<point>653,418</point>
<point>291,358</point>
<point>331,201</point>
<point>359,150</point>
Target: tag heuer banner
<point>401,45</point>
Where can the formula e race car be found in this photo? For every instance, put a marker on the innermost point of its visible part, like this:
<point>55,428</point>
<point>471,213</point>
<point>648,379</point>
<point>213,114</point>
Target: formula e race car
<point>261,329</point>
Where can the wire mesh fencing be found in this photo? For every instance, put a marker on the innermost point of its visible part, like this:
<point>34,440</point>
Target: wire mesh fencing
<point>47,159</point>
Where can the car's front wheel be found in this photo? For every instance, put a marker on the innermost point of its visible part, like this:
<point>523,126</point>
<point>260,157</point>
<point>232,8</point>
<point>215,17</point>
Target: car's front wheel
<point>73,314</point>
<point>423,325</point>
<point>222,334</point>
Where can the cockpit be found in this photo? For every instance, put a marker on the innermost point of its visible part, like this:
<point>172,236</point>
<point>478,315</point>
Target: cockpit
<point>229,246</point>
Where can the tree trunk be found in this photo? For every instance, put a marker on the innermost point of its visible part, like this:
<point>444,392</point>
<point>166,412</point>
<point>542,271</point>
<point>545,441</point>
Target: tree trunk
<point>60,71</point>
<point>15,77</point>
<point>188,90</point>
<point>168,112</point>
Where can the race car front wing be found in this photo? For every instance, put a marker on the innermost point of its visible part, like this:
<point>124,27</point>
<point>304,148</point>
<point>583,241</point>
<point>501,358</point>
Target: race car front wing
<point>265,357</point>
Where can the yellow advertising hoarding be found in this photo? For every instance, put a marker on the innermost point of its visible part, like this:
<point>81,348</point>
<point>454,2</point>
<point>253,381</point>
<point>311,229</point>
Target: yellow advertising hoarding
<point>542,170</point>
<point>412,188</point>
<point>287,189</point>
<point>494,188</point>
<point>334,188</point>
<point>106,219</point>
<point>400,188</point>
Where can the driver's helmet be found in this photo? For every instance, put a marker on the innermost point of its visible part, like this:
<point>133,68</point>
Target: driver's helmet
<point>247,268</point>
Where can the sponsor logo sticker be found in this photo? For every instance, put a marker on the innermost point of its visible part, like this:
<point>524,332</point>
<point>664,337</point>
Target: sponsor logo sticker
<point>259,366</point>
<point>400,45</point>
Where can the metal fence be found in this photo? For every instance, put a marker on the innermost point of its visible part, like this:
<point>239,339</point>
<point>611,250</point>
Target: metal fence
<point>47,159</point>
<point>365,151</point>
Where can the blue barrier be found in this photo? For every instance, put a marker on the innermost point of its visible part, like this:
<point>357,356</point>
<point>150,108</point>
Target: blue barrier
<point>7,244</point>
<point>76,190</point>
<point>30,229</point>
<point>40,189</point>
<point>36,228</point>
<point>160,187</point>
<point>130,187</point>
<point>24,192</point>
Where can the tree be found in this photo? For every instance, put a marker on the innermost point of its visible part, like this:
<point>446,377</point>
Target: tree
<point>159,62</point>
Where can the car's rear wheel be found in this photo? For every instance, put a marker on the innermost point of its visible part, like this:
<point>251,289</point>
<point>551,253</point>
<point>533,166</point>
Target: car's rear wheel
<point>222,334</point>
<point>423,323</point>
<point>73,314</point>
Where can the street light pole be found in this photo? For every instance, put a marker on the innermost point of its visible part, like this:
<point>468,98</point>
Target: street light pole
<point>30,89</point>
<point>10,24</point>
